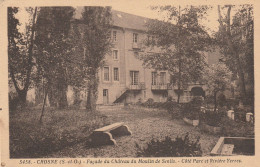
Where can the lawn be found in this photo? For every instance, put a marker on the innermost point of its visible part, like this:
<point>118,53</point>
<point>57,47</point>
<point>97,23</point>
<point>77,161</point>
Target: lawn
<point>145,124</point>
<point>64,133</point>
<point>60,129</point>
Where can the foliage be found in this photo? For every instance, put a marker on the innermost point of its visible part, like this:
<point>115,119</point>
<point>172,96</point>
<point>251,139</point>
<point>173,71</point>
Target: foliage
<point>191,110</point>
<point>221,100</point>
<point>212,118</point>
<point>181,45</point>
<point>236,128</point>
<point>20,53</point>
<point>171,148</point>
<point>217,78</point>
<point>53,51</point>
<point>61,129</point>
<point>236,41</point>
<point>92,41</point>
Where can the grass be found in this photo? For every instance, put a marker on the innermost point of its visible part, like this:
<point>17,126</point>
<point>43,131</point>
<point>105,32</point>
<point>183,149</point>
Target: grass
<point>64,133</point>
<point>60,128</point>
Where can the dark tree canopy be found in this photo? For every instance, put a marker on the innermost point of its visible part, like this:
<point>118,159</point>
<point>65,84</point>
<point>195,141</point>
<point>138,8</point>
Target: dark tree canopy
<point>182,41</point>
<point>236,40</point>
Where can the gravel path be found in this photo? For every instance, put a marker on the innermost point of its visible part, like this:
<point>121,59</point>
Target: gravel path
<point>145,124</point>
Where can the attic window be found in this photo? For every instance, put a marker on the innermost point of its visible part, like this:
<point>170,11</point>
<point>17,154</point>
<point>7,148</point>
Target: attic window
<point>119,15</point>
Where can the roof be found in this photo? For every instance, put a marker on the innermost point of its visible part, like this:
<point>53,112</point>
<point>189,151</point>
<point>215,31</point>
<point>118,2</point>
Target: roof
<point>122,19</point>
<point>126,20</point>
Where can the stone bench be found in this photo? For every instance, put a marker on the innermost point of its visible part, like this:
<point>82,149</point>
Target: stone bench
<point>104,135</point>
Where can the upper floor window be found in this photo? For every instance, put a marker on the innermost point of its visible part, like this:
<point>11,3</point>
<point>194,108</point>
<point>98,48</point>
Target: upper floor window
<point>106,73</point>
<point>134,77</point>
<point>154,78</point>
<point>116,74</point>
<point>163,78</point>
<point>115,54</point>
<point>114,36</point>
<point>135,37</point>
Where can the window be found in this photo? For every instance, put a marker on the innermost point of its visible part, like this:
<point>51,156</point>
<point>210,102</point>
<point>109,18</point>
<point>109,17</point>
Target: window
<point>163,78</point>
<point>114,36</point>
<point>135,37</point>
<point>134,77</point>
<point>105,92</point>
<point>116,74</point>
<point>154,78</point>
<point>106,73</point>
<point>115,54</point>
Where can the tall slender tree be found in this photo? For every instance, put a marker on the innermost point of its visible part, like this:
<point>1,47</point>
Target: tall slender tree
<point>236,40</point>
<point>21,52</point>
<point>95,45</point>
<point>53,50</point>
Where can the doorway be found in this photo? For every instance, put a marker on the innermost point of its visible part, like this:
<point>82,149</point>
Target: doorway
<point>197,91</point>
<point>105,96</point>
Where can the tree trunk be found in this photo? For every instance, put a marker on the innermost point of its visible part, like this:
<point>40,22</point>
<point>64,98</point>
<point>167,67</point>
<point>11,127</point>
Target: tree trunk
<point>179,57</point>
<point>215,101</point>
<point>92,94</point>
<point>52,95</point>
<point>22,93</point>
<point>43,105</point>
<point>76,96</point>
<point>63,102</point>
<point>179,79</point>
<point>179,95</point>
<point>233,51</point>
<point>22,98</point>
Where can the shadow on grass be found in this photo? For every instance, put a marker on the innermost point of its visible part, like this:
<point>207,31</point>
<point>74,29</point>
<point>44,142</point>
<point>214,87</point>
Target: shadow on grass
<point>60,129</point>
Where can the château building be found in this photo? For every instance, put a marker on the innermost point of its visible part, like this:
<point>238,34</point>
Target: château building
<point>124,79</point>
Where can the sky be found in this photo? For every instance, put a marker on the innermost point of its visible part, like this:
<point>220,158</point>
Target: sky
<point>142,9</point>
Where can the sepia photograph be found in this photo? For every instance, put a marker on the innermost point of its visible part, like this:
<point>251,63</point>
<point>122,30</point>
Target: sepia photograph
<point>118,81</point>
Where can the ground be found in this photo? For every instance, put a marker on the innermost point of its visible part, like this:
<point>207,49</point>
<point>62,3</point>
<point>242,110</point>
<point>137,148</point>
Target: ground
<point>145,124</point>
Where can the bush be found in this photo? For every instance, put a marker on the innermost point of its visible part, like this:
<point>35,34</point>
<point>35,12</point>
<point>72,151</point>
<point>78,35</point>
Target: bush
<point>221,100</point>
<point>212,118</point>
<point>191,110</point>
<point>148,103</point>
<point>236,128</point>
<point>231,103</point>
<point>171,148</point>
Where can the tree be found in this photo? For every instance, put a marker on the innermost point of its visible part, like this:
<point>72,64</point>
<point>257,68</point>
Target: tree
<point>236,40</point>
<point>217,78</point>
<point>20,52</point>
<point>95,44</point>
<point>181,44</point>
<point>53,52</point>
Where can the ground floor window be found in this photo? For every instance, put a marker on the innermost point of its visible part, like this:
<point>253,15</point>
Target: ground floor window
<point>106,73</point>
<point>116,74</point>
<point>134,77</point>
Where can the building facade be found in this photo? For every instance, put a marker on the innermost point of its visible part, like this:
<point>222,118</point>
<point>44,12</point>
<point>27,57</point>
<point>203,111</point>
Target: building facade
<point>124,79</point>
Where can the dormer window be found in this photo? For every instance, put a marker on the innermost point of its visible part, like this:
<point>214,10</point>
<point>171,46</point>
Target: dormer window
<point>135,37</point>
